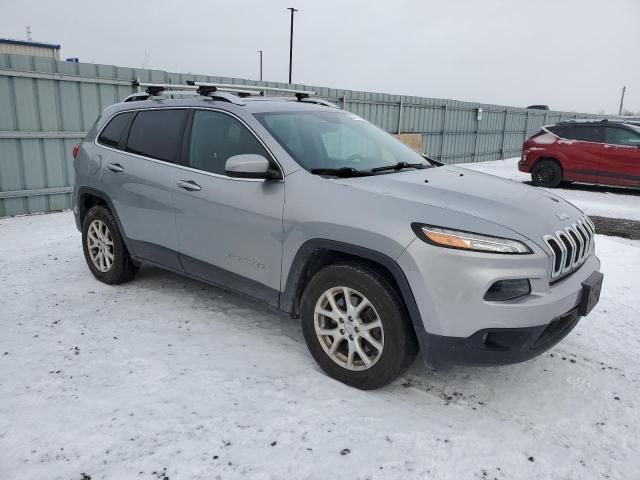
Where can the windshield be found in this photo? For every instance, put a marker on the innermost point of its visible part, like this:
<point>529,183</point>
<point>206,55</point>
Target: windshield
<point>333,140</point>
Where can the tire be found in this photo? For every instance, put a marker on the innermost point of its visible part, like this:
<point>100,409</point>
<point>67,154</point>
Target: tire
<point>396,342</point>
<point>546,173</point>
<point>104,250</point>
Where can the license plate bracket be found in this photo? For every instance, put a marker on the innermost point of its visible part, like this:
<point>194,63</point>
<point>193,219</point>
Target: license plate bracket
<point>591,289</point>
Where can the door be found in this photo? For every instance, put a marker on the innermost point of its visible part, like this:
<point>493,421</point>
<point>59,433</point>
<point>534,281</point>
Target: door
<point>138,176</point>
<point>229,230</point>
<point>621,164</point>
<point>583,148</point>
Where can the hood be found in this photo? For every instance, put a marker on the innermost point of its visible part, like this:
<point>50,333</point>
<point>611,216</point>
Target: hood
<point>529,211</point>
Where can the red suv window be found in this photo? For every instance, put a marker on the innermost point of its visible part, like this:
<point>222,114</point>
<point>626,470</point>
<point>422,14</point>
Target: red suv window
<point>584,133</point>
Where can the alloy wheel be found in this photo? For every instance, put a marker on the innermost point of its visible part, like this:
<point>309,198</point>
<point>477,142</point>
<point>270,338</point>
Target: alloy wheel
<point>349,328</point>
<point>100,245</point>
<point>546,175</point>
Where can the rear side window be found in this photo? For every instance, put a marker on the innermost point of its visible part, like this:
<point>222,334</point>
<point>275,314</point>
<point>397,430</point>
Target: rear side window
<point>557,130</point>
<point>585,133</point>
<point>157,134</point>
<point>216,137</point>
<point>112,133</point>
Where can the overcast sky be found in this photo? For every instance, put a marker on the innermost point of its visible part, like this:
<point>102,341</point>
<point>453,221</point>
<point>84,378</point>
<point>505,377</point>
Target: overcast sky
<point>569,54</point>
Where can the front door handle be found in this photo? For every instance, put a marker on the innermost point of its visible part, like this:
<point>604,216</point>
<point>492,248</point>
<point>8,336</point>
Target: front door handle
<point>610,147</point>
<point>115,167</point>
<point>189,185</point>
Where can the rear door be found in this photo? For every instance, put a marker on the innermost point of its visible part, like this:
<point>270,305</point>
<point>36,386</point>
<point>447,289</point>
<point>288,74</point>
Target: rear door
<point>582,146</point>
<point>621,165</point>
<point>229,229</point>
<point>137,176</point>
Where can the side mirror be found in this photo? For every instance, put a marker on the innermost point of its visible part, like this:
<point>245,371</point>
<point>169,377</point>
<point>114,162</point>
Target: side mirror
<point>250,165</point>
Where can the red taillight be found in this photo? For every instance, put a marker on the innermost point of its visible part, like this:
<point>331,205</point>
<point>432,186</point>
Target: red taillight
<point>76,147</point>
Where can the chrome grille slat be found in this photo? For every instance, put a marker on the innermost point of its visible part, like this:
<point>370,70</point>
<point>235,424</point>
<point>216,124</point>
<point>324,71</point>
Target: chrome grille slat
<point>573,244</point>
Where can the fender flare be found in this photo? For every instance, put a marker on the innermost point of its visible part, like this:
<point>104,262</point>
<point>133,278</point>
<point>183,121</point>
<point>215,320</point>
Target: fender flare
<point>103,196</point>
<point>288,298</point>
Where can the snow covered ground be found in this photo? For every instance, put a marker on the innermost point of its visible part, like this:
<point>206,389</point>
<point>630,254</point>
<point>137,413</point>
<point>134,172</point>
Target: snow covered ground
<point>612,202</point>
<point>166,376</point>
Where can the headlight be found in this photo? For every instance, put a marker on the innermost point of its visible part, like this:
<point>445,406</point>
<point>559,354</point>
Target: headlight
<point>445,237</point>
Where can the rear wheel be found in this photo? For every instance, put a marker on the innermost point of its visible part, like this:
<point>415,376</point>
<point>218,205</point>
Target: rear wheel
<point>546,173</point>
<point>356,326</point>
<point>104,249</point>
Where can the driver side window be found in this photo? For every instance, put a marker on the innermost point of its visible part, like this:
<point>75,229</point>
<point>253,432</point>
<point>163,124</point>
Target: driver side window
<point>216,137</point>
<point>622,136</point>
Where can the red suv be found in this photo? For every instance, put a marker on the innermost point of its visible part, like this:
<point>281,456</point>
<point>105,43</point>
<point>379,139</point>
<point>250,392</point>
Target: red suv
<point>603,152</point>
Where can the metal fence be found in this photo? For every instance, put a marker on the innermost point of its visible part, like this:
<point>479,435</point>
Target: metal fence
<point>46,106</point>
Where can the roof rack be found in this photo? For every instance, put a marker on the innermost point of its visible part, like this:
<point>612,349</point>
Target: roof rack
<point>591,120</point>
<point>229,92</point>
<point>249,89</point>
<point>159,89</point>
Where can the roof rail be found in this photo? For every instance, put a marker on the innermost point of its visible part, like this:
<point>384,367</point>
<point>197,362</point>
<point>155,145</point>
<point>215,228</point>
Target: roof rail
<point>251,89</point>
<point>319,101</point>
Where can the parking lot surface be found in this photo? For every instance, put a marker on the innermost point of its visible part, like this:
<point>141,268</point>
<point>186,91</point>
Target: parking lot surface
<point>165,376</point>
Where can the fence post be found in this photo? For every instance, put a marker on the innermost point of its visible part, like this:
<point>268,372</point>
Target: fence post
<point>504,133</point>
<point>526,126</point>
<point>400,117</point>
<point>344,101</point>
<point>475,140</point>
<point>444,130</point>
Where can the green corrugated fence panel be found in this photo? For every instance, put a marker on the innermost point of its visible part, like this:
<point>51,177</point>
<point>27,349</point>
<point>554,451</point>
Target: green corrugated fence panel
<point>452,134</point>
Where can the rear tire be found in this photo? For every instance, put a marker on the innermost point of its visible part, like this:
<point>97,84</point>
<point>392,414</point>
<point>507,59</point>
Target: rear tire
<point>546,173</point>
<point>340,338</point>
<point>104,250</point>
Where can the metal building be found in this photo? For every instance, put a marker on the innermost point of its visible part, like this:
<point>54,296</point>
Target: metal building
<point>28,47</point>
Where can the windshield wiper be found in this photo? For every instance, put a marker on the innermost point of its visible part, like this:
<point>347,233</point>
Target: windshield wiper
<point>400,166</point>
<point>340,172</point>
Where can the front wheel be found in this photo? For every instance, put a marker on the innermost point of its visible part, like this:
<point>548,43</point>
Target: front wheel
<point>546,173</point>
<point>356,327</point>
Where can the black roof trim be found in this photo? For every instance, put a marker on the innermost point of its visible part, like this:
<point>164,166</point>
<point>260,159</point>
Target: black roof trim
<point>28,43</point>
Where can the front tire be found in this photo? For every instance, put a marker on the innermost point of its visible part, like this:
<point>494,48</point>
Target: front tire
<point>356,327</point>
<point>546,173</point>
<point>104,250</point>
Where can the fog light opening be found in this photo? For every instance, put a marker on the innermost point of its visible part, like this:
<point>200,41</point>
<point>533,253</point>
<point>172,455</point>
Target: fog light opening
<point>508,290</point>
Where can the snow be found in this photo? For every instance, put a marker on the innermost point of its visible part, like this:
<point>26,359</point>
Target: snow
<point>168,376</point>
<point>615,202</point>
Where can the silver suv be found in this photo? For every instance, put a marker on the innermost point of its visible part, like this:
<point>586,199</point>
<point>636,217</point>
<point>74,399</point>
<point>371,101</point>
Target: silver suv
<point>381,252</point>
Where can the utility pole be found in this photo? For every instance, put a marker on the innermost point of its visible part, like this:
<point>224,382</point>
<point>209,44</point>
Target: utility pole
<point>622,100</point>
<point>293,10</point>
<point>260,52</point>
<point>29,34</point>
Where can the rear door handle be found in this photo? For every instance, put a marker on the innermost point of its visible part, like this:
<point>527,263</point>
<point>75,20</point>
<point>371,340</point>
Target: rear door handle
<point>115,167</point>
<point>189,185</point>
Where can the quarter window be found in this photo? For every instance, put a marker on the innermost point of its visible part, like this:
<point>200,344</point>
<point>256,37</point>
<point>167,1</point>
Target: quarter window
<point>216,137</point>
<point>112,133</point>
<point>157,134</point>
<point>584,133</point>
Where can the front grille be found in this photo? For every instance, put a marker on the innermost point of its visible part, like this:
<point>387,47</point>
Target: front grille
<point>570,247</point>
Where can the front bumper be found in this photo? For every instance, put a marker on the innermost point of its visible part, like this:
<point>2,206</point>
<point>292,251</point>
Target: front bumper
<point>459,326</point>
<point>497,346</point>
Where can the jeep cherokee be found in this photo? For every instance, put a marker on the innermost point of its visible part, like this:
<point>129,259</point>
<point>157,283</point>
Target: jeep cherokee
<point>380,252</point>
